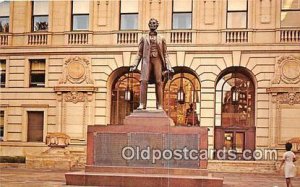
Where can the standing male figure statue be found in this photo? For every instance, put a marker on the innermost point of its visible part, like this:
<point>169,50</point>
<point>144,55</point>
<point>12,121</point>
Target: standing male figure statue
<point>152,53</point>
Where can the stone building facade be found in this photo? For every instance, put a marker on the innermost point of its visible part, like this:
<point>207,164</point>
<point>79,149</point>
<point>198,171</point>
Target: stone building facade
<point>64,66</point>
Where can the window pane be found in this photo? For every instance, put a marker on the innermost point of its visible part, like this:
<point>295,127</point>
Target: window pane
<point>37,79</point>
<point>80,22</point>
<point>4,8</point>
<point>182,6</point>
<point>129,6</point>
<point>1,125</point>
<point>40,7</point>
<point>2,65</point>
<point>236,20</point>
<point>80,7</point>
<point>129,21</point>
<point>37,73</point>
<point>38,65</point>
<point>2,71</point>
<point>4,24</point>
<point>2,80</point>
<point>237,5</point>
<point>40,23</point>
<point>238,110</point>
<point>290,4</point>
<point>182,21</point>
<point>290,19</point>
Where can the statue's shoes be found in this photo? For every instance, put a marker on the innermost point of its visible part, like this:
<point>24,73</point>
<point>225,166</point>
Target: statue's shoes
<point>141,107</point>
<point>159,108</point>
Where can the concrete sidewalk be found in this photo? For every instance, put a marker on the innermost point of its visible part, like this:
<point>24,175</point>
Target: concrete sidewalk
<point>22,177</point>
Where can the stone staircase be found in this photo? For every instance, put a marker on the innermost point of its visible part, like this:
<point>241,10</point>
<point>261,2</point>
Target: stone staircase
<point>266,167</point>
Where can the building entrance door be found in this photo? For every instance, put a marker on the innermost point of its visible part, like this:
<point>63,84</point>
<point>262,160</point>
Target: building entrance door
<point>234,113</point>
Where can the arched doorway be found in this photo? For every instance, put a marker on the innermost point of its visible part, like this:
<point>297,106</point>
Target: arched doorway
<point>187,111</point>
<point>235,111</point>
<point>122,105</point>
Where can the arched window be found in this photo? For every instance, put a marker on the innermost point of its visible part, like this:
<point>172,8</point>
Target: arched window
<point>124,97</point>
<point>182,97</point>
<point>235,110</point>
<point>235,101</point>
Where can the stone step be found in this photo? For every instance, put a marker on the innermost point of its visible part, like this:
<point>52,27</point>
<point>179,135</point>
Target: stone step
<point>146,170</point>
<point>242,166</point>
<point>137,180</point>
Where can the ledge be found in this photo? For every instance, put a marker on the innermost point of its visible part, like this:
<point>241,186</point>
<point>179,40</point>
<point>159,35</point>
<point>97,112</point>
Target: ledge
<point>283,89</point>
<point>84,88</point>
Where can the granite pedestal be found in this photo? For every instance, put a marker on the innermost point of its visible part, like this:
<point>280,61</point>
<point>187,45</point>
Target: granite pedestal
<point>143,131</point>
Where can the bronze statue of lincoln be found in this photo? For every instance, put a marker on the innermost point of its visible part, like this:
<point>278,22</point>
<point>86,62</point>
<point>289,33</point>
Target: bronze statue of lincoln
<point>152,53</point>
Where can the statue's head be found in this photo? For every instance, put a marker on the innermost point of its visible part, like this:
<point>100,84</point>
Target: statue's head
<point>153,24</point>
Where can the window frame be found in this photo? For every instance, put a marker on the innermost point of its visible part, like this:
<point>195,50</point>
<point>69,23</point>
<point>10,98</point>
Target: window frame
<point>234,11</point>
<point>287,10</point>
<point>34,16</point>
<point>234,75</point>
<point>183,12</point>
<point>131,13</point>
<point>5,73</point>
<point>72,17</point>
<point>7,17</point>
<point>128,79</point>
<point>187,77</point>
<point>3,125</point>
<point>30,73</point>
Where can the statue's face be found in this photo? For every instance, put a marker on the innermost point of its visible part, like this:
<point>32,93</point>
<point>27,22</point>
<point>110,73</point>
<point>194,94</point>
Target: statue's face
<point>153,24</point>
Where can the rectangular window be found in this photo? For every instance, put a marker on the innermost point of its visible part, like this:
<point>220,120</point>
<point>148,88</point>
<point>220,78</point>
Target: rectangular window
<point>1,125</point>
<point>37,73</point>
<point>129,15</point>
<point>80,15</point>
<point>35,126</point>
<point>237,14</point>
<point>182,14</point>
<point>40,11</point>
<point>3,72</point>
<point>4,16</point>
<point>290,12</point>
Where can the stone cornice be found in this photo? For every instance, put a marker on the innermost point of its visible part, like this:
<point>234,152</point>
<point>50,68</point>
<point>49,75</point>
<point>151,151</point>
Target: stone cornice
<point>282,89</point>
<point>82,88</point>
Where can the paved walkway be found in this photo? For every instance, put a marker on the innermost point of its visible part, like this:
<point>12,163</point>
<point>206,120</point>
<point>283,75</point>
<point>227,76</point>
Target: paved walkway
<point>21,177</point>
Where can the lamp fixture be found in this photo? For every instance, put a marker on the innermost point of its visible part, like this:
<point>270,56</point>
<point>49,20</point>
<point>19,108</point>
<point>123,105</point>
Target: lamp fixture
<point>234,95</point>
<point>128,91</point>
<point>180,93</point>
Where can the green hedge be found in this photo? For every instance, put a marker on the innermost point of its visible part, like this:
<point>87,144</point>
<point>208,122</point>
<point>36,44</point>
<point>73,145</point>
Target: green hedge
<point>12,159</point>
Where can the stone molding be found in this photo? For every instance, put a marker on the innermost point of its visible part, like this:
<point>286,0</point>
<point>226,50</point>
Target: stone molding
<point>76,71</point>
<point>57,139</point>
<point>287,70</point>
<point>290,98</point>
<point>75,84</point>
<point>75,97</point>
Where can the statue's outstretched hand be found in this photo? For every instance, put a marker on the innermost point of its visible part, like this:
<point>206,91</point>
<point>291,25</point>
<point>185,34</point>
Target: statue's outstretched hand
<point>133,68</point>
<point>171,70</point>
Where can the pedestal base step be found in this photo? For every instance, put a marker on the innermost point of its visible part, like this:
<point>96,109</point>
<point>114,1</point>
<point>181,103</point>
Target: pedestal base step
<point>137,180</point>
<point>148,118</point>
<point>147,170</point>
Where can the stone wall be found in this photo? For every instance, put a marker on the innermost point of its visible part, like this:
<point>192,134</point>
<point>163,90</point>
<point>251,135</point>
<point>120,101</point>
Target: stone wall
<point>208,53</point>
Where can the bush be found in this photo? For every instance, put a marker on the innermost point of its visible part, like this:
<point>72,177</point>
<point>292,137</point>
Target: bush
<point>12,159</point>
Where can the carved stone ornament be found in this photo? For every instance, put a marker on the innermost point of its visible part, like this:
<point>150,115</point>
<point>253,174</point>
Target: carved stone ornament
<point>75,97</point>
<point>76,71</point>
<point>57,140</point>
<point>290,98</point>
<point>288,70</point>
